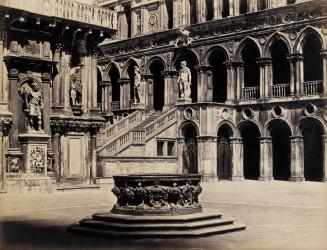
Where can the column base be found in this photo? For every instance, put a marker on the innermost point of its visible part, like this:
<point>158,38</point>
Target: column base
<point>209,178</point>
<point>184,101</point>
<point>297,179</point>
<point>237,178</point>
<point>266,178</point>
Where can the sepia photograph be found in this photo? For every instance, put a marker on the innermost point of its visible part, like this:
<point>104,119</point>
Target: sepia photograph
<point>163,124</point>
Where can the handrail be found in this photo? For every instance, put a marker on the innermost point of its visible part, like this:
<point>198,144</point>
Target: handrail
<point>313,87</point>
<point>68,9</point>
<point>139,137</point>
<point>280,90</point>
<point>118,128</point>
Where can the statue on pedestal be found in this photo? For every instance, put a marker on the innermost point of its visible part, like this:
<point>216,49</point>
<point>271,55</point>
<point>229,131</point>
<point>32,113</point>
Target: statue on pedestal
<point>76,87</point>
<point>184,81</point>
<point>33,104</point>
<point>137,85</point>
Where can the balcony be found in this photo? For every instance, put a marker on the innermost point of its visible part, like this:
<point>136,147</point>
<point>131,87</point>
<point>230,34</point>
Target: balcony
<point>313,87</point>
<point>67,9</point>
<point>280,90</point>
<point>250,93</point>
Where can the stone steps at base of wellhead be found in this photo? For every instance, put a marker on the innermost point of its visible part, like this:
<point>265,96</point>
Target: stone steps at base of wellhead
<point>114,225</point>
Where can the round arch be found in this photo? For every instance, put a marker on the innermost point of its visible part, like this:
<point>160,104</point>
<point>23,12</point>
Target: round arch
<point>254,122</point>
<point>189,131</point>
<point>280,132</point>
<point>187,123</point>
<point>250,133</point>
<point>267,126</point>
<point>312,130</point>
<point>155,68</point>
<point>228,123</point>
<point>192,60</point>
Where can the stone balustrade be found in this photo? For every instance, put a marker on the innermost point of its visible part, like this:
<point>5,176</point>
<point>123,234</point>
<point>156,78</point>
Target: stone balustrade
<point>250,93</point>
<point>67,9</point>
<point>280,90</point>
<point>313,87</point>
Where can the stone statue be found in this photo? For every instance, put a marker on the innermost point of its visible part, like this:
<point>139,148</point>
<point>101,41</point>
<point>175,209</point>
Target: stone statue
<point>184,80</point>
<point>76,87</point>
<point>137,85</point>
<point>33,103</point>
<point>184,37</point>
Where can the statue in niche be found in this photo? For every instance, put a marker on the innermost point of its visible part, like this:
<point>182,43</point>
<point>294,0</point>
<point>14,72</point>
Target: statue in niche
<point>184,37</point>
<point>137,85</point>
<point>184,80</point>
<point>76,87</point>
<point>33,103</point>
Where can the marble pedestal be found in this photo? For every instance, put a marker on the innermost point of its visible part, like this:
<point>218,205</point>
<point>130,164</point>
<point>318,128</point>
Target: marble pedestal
<point>33,146</point>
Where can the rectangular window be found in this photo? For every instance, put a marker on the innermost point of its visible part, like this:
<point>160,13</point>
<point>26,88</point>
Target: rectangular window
<point>171,148</point>
<point>160,146</point>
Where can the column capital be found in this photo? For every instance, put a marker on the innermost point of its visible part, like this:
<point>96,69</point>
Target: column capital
<point>123,81</point>
<point>235,139</point>
<point>264,61</point>
<point>296,138</point>
<point>295,57</point>
<point>169,73</point>
<point>203,68</point>
<point>208,138</point>
<point>265,139</point>
<point>146,77</point>
<point>105,84</point>
<point>235,64</point>
<point>323,53</point>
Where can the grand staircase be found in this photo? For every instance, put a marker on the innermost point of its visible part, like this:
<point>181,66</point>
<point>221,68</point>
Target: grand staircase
<point>135,129</point>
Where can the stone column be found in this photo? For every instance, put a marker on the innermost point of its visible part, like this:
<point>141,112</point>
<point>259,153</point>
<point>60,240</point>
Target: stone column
<point>236,88</point>
<point>231,82</point>
<point>93,75</point>
<point>265,76</point>
<point>253,5</point>
<point>122,23</point>
<point>106,99</point>
<point>204,87</point>
<point>290,58</point>
<point>324,155</point>
<point>15,107</point>
<point>266,160</point>
<point>237,158</point>
<point>236,7</point>
<point>57,88</point>
<point>324,72</point>
<point>171,89</point>
<point>201,11</point>
<point>148,91</point>
<point>177,10</point>
<point>124,93</point>
<point>217,9</point>
<point>180,145</point>
<point>297,158</point>
<point>299,75</point>
<point>3,74</point>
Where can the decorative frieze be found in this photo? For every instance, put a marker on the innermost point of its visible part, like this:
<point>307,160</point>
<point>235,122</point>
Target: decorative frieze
<point>78,126</point>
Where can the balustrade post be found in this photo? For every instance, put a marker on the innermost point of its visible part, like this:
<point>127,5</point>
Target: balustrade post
<point>237,158</point>
<point>324,71</point>
<point>266,160</point>
<point>297,158</point>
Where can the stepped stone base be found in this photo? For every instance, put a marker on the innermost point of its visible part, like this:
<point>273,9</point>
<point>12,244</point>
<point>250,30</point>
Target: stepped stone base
<point>156,226</point>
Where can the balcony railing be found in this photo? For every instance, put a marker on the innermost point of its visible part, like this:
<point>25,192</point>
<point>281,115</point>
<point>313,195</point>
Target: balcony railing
<point>67,9</point>
<point>280,90</point>
<point>250,93</point>
<point>313,87</point>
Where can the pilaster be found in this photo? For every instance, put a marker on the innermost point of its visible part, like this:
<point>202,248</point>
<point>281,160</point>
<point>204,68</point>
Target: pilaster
<point>124,92</point>
<point>207,157</point>
<point>237,158</point>
<point>297,158</point>
<point>204,73</point>
<point>266,161</point>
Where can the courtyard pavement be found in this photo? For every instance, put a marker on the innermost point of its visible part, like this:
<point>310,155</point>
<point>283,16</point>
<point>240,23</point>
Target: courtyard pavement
<point>278,215</point>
